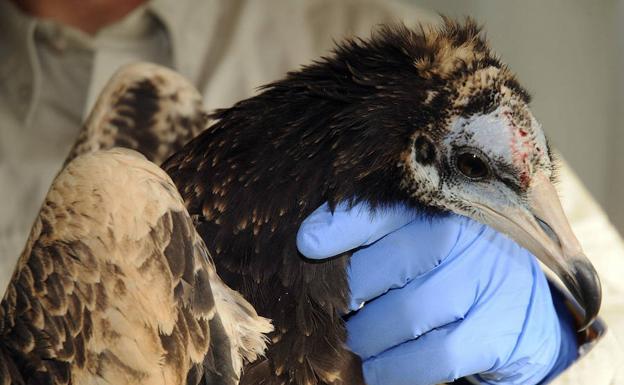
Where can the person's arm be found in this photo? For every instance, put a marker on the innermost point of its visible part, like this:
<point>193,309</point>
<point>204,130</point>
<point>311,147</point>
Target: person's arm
<point>438,299</point>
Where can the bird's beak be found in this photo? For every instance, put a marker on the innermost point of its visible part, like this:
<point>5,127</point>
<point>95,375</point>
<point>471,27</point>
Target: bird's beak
<point>543,229</point>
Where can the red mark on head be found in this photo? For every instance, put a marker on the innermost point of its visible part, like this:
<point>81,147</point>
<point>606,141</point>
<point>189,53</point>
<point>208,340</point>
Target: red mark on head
<point>521,149</point>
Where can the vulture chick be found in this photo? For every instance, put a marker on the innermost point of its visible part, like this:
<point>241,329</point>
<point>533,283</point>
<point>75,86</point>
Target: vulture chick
<point>116,287</point>
<point>144,107</point>
<point>429,118</point>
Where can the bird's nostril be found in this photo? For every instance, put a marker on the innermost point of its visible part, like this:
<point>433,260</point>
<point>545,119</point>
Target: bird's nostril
<point>548,230</point>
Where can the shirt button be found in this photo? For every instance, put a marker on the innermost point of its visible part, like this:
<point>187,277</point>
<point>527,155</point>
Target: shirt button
<point>59,44</point>
<point>57,39</point>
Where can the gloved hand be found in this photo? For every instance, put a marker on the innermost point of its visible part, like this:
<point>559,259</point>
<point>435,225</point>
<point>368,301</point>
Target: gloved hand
<point>433,300</point>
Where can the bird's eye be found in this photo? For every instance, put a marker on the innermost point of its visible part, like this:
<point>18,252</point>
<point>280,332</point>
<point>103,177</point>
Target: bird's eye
<point>472,165</point>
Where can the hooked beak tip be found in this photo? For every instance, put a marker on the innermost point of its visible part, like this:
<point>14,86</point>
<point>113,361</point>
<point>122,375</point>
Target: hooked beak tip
<point>541,226</point>
<point>584,284</point>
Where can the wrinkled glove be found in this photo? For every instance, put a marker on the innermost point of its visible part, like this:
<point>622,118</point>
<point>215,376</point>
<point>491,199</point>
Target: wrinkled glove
<point>433,300</point>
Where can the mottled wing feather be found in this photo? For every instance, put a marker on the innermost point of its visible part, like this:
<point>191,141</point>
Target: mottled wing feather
<point>145,107</point>
<point>116,287</point>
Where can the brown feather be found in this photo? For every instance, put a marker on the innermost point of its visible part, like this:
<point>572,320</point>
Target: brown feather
<point>147,108</point>
<point>116,286</point>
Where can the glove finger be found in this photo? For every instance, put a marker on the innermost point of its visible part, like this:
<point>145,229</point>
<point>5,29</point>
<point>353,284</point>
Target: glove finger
<point>404,255</point>
<point>404,314</point>
<point>324,234</point>
<point>483,269</point>
<point>530,311</point>
<point>502,336</point>
<point>437,357</point>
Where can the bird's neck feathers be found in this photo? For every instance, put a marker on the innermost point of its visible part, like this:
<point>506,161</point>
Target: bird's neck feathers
<point>325,148</point>
<point>334,130</point>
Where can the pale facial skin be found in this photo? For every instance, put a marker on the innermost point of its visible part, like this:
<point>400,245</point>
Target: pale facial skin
<point>494,166</point>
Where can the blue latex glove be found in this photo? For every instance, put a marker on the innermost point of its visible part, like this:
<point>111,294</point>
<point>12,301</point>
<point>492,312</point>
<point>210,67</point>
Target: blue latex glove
<point>435,300</point>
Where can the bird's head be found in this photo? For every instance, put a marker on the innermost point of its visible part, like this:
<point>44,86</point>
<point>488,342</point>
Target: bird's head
<point>455,120</point>
<point>491,161</point>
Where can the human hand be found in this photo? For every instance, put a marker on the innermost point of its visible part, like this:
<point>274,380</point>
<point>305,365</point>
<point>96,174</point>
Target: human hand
<point>441,299</point>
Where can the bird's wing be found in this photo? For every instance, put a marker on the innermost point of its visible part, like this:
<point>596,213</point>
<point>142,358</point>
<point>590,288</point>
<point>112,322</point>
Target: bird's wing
<point>116,287</point>
<point>145,107</point>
